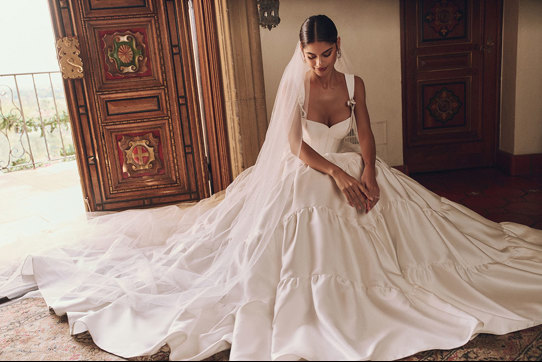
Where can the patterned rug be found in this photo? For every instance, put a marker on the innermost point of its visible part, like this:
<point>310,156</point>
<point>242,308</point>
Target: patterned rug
<point>29,331</point>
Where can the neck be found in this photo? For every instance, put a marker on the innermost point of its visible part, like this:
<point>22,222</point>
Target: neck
<point>327,79</point>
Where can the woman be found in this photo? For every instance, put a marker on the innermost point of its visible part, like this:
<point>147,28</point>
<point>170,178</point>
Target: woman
<point>329,88</point>
<point>318,251</point>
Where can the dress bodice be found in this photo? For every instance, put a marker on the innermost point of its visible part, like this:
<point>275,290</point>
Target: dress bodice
<point>319,136</point>
<point>324,139</point>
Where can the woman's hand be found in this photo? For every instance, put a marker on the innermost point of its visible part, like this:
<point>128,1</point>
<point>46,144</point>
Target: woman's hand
<point>354,190</point>
<point>368,180</point>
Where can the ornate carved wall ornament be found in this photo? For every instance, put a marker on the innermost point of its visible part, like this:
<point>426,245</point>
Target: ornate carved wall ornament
<point>69,61</point>
<point>444,105</point>
<point>269,13</point>
<point>125,53</point>
<point>140,154</point>
<point>443,17</point>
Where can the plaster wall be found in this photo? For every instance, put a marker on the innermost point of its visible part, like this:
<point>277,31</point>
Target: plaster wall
<point>528,109</point>
<point>370,36</point>
<point>508,75</point>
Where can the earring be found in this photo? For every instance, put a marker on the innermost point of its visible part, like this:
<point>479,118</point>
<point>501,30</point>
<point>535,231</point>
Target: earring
<point>339,53</point>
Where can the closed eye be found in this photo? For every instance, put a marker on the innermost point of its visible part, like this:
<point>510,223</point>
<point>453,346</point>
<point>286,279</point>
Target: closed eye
<point>326,54</point>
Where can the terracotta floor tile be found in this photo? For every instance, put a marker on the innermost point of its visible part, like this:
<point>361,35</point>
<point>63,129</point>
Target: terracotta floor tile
<point>511,200</point>
<point>491,193</point>
<point>484,202</point>
<point>511,217</point>
<point>462,187</point>
<point>523,183</point>
<point>534,196</point>
<point>452,195</point>
<point>505,192</point>
<point>525,208</point>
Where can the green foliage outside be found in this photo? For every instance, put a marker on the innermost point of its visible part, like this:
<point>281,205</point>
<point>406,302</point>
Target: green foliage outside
<point>13,127</point>
<point>16,124</point>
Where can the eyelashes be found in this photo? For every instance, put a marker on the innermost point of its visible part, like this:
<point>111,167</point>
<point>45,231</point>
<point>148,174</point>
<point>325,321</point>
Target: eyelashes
<point>314,56</point>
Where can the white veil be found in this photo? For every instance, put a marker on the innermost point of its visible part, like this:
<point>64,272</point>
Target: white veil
<point>187,257</point>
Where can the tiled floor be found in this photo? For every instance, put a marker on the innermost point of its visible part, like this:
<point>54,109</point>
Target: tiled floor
<point>491,193</point>
<point>37,200</point>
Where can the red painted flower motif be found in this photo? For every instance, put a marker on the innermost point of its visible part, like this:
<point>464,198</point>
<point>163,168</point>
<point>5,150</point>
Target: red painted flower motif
<point>444,105</point>
<point>444,17</point>
<point>125,54</point>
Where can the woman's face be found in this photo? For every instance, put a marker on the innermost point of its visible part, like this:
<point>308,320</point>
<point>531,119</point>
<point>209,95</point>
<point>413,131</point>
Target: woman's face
<point>321,56</point>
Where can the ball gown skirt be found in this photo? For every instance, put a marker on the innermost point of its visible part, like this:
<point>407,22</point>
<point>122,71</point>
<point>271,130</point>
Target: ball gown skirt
<point>417,272</point>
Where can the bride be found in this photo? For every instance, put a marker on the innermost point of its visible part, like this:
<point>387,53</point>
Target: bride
<point>318,251</point>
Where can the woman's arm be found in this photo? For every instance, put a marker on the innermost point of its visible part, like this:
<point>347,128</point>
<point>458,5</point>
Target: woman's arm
<point>366,142</point>
<point>349,186</point>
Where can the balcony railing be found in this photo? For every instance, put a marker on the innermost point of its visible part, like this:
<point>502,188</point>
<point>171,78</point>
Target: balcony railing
<point>34,122</point>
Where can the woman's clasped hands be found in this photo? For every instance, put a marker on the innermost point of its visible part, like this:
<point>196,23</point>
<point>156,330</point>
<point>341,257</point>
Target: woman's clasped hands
<point>362,194</point>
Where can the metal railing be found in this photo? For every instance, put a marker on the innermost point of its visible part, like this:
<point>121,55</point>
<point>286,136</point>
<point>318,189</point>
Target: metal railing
<point>34,122</point>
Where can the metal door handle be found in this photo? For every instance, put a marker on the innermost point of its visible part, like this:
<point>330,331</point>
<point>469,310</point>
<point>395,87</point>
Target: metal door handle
<point>487,46</point>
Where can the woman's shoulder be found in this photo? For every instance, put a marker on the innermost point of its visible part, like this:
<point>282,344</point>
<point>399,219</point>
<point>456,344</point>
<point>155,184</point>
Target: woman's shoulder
<point>358,81</point>
<point>359,86</point>
<point>357,78</point>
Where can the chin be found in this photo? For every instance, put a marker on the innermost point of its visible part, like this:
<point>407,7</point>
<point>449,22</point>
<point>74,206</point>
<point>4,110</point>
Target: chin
<point>321,72</point>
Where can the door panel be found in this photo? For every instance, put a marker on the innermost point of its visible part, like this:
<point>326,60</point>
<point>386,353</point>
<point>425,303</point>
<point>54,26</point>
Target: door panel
<point>128,7</point>
<point>137,124</point>
<point>450,88</point>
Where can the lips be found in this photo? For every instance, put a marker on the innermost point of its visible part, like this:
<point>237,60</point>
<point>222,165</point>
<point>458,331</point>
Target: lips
<point>321,69</point>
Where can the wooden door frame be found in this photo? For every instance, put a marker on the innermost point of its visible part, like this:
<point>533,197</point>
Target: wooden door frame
<point>212,94</point>
<point>79,112</point>
<point>498,49</point>
<point>404,105</point>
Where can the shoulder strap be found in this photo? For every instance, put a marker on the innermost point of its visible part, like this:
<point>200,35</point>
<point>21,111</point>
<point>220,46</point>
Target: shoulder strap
<point>352,135</point>
<point>350,85</point>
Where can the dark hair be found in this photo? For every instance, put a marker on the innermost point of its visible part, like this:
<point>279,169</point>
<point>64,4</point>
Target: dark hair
<point>317,28</point>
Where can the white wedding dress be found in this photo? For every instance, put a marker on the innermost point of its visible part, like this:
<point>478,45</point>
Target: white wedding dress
<point>417,272</point>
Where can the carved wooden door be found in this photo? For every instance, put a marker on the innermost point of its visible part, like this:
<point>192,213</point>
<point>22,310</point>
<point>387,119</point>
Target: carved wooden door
<point>451,67</point>
<point>134,112</point>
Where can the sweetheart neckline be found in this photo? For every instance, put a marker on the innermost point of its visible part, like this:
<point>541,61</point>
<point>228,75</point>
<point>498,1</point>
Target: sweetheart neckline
<point>325,125</point>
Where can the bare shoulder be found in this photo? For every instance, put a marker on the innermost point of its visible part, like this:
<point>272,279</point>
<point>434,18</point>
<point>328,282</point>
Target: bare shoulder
<point>359,82</point>
<point>359,87</point>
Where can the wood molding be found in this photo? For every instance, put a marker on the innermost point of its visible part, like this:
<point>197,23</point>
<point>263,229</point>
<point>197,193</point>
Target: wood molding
<point>228,83</point>
<point>516,165</point>
<point>215,119</point>
<point>243,81</point>
<point>404,104</point>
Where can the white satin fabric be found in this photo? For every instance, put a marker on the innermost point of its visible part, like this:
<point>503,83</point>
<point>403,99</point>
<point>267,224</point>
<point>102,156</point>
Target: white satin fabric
<point>324,139</point>
<point>417,272</point>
